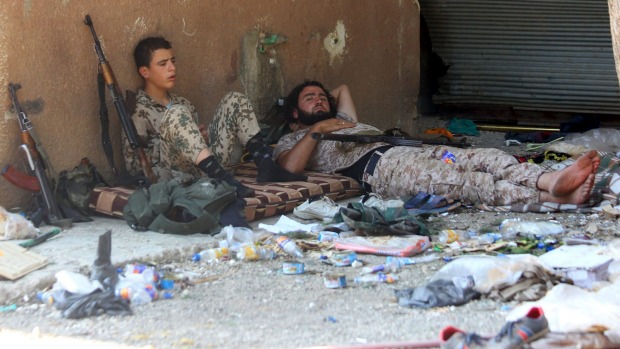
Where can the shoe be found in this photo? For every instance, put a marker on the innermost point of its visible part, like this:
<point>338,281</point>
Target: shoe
<point>323,208</point>
<point>374,200</point>
<point>515,334</point>
<point>453,338</point>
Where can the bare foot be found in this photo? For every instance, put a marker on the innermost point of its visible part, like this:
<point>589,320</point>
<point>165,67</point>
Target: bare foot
<point>577,196</point>
<point>566,181</point>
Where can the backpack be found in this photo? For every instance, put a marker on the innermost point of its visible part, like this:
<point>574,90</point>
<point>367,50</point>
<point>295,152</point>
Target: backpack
<point>74,189</point>
<point>178,208</point>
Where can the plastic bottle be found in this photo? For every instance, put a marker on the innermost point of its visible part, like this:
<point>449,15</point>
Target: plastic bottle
<point>392,266</point>
<point>511,227</point>
<point>136,293</point>
<point>488,238</point>
<point>413,260</point>
<point>249,252</point>
<point>448,236</point>
<point>145,273</point>
<point>287,245</point>
<point>45,297</point>
<point>211,254</point>
<point>376,278</point>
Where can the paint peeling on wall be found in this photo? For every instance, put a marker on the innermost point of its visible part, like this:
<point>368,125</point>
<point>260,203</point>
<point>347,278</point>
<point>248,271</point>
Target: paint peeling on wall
<point>185,32</point>
<point>27,8</point>
<point>335,42</point>
<point>135,31</point>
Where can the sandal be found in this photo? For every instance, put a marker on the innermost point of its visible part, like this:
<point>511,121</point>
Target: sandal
<point>435,204</point>
<point>415,202</point>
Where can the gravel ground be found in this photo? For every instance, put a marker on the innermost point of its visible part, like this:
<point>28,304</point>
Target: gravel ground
<point>239,304</point>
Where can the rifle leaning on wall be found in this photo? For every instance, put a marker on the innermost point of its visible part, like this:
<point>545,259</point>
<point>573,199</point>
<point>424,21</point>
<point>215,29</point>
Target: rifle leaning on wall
<point>106,75</point>
<point>38,165</point>
<point>397,141</point>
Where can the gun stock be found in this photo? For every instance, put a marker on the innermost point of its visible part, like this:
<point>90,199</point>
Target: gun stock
<point>20,179</point>
<point>119,103</point>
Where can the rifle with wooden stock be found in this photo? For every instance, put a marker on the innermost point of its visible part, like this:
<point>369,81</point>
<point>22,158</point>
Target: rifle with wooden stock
<point>39,169</point>
<point>106,75</point>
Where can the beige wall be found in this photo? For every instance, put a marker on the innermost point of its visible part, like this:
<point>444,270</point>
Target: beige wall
<point>45,47</point>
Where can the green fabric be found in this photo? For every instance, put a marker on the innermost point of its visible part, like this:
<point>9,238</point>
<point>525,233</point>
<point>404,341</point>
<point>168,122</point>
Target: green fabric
<point>463,126</point>
<point>372,221</point>
<point>174,208</point>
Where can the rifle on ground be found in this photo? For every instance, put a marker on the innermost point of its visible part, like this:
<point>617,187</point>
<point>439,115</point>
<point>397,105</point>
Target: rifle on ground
<point>107,75</point>
<point>397,141</point>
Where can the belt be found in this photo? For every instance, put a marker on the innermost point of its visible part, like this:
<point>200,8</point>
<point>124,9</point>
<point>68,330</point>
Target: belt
<point>370,167</point>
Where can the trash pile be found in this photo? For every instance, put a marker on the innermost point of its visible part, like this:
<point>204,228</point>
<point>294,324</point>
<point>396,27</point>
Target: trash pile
<point>535,263</point>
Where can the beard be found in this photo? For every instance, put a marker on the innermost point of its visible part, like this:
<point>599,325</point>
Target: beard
<point>308,119</point>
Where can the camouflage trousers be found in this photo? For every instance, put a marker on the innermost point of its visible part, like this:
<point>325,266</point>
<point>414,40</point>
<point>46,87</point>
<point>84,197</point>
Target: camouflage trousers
<point>233,125</point>
<point>484,175</point>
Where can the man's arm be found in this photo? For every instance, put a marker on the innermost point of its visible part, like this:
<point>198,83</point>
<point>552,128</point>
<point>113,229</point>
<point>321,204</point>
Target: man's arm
<point>296,159</point>
<point>344,101</point>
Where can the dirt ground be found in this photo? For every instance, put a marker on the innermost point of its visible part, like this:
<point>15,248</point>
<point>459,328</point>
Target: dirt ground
<point>240,304</point>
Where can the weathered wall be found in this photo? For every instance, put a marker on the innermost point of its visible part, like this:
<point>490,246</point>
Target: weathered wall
<point>372,45</point>
<point>614,24</point>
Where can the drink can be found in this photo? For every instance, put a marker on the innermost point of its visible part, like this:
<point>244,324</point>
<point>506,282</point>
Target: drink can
<point>335,280</point>
<point>292,267</point>
<point>344,258</point>
<point>327,236</point>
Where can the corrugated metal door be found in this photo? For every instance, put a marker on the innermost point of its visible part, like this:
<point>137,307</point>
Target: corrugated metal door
<point>529,54</point>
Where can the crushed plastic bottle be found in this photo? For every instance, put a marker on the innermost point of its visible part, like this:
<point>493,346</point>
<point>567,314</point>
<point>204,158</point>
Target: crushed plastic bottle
<point>248,252</point>
<point>448,236</point>
<point>414,260</point>
<point>289,246</point>
<point>489,238</point>
<point>511,227</point>
<point>137,293</point>
<point>212,254</point>
<point>46,297</point>
<point>376,278</point>
<point>141,272</point>
<point>391,266</point>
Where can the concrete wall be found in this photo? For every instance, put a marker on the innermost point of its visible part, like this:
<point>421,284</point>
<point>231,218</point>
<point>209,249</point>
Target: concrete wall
<point>614,26</point>
<point>372,45</point>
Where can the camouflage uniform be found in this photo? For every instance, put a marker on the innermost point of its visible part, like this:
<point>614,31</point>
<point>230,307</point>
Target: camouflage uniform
<point>487,175</point>
<point>174,141</point>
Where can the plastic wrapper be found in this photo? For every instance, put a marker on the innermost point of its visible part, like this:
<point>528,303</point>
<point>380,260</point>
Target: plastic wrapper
<point>401,246</point>
<point>439,293</point>
<point>14,226</point>
<point>601,139</point>
<point>78,306</point>
<point>570,308</point>
<point>488,272</point>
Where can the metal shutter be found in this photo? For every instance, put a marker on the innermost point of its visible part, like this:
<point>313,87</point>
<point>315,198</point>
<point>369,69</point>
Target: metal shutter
<point>539,55</point>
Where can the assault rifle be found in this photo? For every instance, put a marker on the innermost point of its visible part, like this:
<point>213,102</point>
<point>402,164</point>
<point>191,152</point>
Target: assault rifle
<point>28,134</point>
<point>107,75</point>
<point>36,161</point>
<point>398,141</point>
<point>47,210</point>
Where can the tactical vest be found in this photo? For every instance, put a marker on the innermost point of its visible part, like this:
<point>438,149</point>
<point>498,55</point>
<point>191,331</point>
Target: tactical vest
<point>175,208</point>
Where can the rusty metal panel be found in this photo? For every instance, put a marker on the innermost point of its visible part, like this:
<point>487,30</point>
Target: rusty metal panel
<point>531,54</point>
